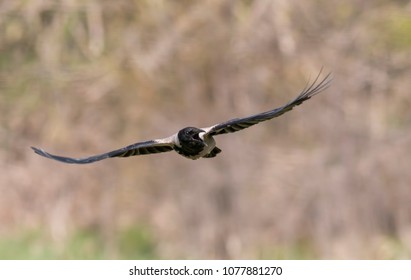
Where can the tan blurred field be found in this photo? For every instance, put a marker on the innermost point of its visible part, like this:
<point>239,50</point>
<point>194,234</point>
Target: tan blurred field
<point>329,180</point>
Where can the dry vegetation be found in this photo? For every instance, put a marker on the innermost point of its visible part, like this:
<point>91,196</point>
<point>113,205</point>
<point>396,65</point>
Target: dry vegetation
<point>330,179</point>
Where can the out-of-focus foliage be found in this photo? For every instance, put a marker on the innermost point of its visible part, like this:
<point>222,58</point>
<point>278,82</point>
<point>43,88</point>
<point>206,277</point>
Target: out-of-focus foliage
<point>328,180</point>
<point>131,243</point>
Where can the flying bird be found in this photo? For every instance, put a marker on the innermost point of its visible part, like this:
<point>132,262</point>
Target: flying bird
<point>195,143</point>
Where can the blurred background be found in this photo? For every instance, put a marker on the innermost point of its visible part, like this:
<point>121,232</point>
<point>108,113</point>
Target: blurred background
<point>329,180</point>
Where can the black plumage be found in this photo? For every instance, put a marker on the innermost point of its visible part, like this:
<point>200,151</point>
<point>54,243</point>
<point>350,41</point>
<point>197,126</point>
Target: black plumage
<point>194,143</point>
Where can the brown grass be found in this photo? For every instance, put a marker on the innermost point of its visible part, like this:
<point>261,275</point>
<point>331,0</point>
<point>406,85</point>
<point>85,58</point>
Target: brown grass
<point>330,179</point>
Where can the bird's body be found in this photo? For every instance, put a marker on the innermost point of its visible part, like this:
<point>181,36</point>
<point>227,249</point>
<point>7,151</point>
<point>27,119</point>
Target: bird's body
<point>195,143</point>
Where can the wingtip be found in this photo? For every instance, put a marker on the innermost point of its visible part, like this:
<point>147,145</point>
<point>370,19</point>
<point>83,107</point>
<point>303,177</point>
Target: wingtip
<point>318,85</point>
<point>36,150</point>
<point>40,152</point>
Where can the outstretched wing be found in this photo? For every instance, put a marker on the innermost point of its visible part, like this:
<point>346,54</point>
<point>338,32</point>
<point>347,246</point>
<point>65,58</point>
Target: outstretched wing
<point>242,123</point>
<point>141,148</point>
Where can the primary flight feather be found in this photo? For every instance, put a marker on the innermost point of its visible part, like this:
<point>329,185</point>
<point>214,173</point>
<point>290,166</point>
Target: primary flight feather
<point>194,143</point>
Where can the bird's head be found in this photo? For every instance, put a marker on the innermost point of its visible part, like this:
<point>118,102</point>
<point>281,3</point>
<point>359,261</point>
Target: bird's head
<point>190,140</point>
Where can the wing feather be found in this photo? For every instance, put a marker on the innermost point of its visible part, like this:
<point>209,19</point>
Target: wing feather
<point>237,124</point>
<point>141,148</point>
